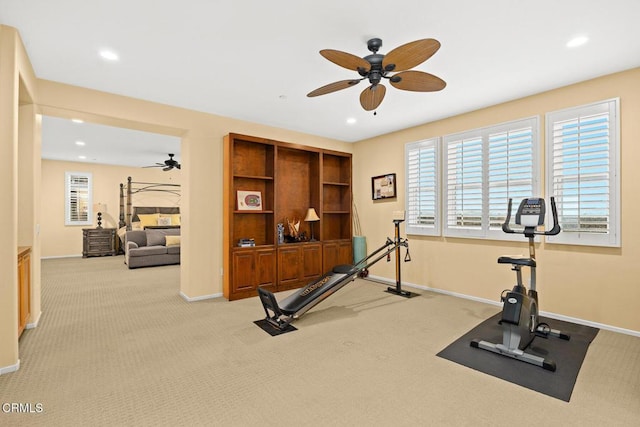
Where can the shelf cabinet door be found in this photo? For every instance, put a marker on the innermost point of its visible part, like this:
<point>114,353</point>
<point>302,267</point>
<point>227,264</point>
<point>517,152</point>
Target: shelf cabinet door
<point>265,268</point>
<point>243,271</point>
<point>311,262</point>
<point>252,268</point>
<point>288,266</point>
<point>298,264</point>
<point>336,253</point>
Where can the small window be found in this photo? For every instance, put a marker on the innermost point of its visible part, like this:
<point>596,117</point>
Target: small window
<point>78,198</point>
<point>422,194</point>
<point>582,173</point>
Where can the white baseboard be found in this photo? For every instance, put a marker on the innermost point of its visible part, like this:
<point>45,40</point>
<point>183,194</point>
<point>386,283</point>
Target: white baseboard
<point>61,256</point>
<point>34,324</point>
<point>10,368</point>
<point>499,304</point>
<point>200,298</point>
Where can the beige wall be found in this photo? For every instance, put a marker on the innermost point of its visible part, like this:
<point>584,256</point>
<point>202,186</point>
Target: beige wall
<point>19,176</point>
<point>60,240</point>
<point>595,284</point>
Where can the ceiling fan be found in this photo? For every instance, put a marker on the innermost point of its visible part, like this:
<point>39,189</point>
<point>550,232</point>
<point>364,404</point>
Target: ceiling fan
<point>167,165</point>
<point>376,67</point>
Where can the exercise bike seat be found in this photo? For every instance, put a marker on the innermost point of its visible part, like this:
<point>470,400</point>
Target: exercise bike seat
<point>517,261</point>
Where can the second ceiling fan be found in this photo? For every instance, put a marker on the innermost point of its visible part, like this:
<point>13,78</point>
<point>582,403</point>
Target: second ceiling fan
<point>376,67</point>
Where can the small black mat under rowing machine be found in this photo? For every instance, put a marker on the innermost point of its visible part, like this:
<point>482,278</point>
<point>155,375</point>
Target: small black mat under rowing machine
<point>568,356</point>
<point>272,330</point>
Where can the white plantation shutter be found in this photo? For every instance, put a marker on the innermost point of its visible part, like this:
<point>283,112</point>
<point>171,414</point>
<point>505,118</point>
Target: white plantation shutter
<point>582,165</point>
<point>422,196</point>
<point>78,203</point>
<point>510,170</point>
<point>483,168</point>
<point>464,178</point>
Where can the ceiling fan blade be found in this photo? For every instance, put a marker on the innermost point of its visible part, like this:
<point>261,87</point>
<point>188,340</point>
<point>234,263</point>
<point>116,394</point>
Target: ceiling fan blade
<point>409,55</point>
<point>178,166</point>
<point>372,96</point>
<point>417,81</point>
<point>332,87</point>
<point>168,168</point>
<point>346,60</point>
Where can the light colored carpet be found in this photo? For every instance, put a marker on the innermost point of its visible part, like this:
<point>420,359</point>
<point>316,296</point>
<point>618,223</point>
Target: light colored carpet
<point>119,347</point>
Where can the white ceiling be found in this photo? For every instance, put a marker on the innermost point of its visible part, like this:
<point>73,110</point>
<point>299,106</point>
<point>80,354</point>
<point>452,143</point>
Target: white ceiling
<point>257,60</point>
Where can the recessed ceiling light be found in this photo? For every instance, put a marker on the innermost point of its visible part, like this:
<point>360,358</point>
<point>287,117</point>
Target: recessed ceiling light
<point>351,120</point>
<point>82,157</point>
<point>77,121</point>
<point>80,143</point>
<point>577,41</point>
<point>109,55</point>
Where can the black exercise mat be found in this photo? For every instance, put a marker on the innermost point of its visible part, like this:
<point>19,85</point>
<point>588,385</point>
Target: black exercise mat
<point>568,356</point>
<point>272,330</point>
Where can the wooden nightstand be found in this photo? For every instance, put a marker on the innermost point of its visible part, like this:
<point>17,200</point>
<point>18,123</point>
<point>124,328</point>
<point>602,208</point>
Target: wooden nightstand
<point>98,242</point>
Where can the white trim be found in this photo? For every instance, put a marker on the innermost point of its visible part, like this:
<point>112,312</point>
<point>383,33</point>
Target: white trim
<point>612,106</point>
<point>414,229</point>
<point>61,256</point>
<point>200,298</point>
<point>34,325</point>
<point>482,136</point>
<point>10,368</point>
<point>498,304</point>
<point>67,199</point>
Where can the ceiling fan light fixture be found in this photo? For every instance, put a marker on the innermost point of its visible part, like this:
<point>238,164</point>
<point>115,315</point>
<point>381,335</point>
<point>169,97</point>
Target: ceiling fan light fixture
<point>376,66</point>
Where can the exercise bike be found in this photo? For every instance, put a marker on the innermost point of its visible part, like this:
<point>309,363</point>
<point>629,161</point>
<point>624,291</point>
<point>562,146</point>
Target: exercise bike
<point>520,323</point>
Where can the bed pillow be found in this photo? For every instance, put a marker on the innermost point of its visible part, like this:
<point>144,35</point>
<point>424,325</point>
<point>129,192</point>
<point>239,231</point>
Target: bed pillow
<point>164,220</point>
<point>148,219</point>
<point>175,218</point>
<point>172,240</point>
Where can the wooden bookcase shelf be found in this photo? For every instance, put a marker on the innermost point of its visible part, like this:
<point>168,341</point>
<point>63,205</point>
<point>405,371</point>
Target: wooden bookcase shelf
<point>290,178</point>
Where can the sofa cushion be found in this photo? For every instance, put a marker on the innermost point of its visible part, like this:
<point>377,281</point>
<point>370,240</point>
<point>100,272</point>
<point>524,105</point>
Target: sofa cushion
<point>173,249</point>
<point>172,240</point>
<point>155,238</point>
<point>148,250</point>
<point>137,236</point>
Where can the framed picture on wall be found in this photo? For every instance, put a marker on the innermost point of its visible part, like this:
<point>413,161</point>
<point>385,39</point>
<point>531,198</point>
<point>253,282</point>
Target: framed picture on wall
<point>383,186</point>
<point>249,200</point>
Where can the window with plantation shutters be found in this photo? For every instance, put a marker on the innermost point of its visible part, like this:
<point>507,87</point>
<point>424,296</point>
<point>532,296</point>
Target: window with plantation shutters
<point>582,173</point>
<point>483,168</point>
<point>78,198</point>
<point>422,195</point>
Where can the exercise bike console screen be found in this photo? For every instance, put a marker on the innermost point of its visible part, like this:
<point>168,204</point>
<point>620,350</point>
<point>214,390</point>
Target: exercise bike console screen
<point>531,212</point>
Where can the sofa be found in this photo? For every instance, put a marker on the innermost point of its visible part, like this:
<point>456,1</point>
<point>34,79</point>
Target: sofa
<point>146,248</point>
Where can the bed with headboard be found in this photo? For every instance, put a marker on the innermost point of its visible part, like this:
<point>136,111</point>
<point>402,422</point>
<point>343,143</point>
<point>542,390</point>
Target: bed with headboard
<point>134,217</point>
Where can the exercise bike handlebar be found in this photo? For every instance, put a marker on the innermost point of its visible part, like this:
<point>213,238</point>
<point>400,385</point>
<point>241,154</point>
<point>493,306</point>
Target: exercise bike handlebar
<point>554,230</point>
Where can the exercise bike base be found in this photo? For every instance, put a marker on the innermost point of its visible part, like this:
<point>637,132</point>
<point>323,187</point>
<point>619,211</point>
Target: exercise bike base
<point>517,354</point>
<point>401,292</point>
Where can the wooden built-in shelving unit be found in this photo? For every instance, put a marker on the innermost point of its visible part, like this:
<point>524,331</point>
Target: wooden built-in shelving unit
<point>290,178</point>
